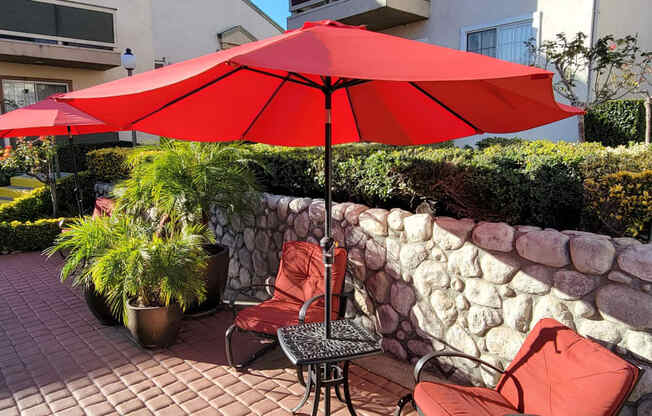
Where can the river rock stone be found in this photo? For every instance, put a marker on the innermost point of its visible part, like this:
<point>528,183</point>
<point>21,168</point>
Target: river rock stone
<point>604,331</point>
<point>317,211</point>
<point>460,340</point>
<point>430,275</point>
<point>374,222</point>
<point>418,227</point>
<point>461,304</point>
<point>245,277</point>
<point>637,260</point>
<point>444,307</point>
<point>244,257</point>
<point>375,255</point>
<point>406,326</point>
<point>619,277</point>
<point>451,234</point>
<point>318,232</point>
<point>551,307</point>
<point>357,264</point>
<point>622,304</point>
<point>290,219</point>
<point>302,224</point>
<point>395,348</point>
<point>260,265</point>
<point>570,285</point>
<point>299,204</point>
<point>261,221</point>
<point>464,262</point>
<point>419,348</point>
<point>388,319</point>
<point>498,268</point>
<point>228,240</point>
<point>518,312</point>
<point>353,211</point>
<point>378,286</point>
<point>412,255</point>
<point>482,293</point>
<point>426,324</point>
<point>640,343</point>
<point>402,298</point>
<point>496,236</point>
<point>438,254</point>
<point>457,285</point>
<point>592,255</point>
<point>395,218</point>
<point>547,247</point>
<point>504,342</point>
<point>363,302</point>
<point>533,279</point>
<point>353,235</point>
<point>289,235</point>
<point>480,319</point>
<point>584,309</point>
<point>234,268</point>
<point>506,291</point>
<point>263,242</point>
<point>250,239</point>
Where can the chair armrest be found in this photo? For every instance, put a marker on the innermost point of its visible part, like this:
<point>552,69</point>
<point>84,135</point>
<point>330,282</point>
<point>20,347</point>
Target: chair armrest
<point>230,302</point>
<point>418,368</point>
<point>306,305</point>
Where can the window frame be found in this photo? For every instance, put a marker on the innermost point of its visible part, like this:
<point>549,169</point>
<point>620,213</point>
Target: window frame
<point>66,82</point>
<point>534,18</point>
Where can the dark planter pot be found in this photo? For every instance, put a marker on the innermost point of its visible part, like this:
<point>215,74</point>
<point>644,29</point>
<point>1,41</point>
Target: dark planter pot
<point>154,327</point>
<point>215,277</point>
<point>99,307</point>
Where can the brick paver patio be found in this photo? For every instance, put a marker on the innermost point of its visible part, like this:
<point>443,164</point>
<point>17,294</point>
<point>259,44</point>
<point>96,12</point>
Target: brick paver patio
<point>55,358</point>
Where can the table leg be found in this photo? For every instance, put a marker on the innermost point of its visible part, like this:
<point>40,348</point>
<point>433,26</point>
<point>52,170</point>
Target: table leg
<point>347,394</point>
<point>339,374</point>
<point>327,393</point>
<point>306,394</point>
<point>315,406</point>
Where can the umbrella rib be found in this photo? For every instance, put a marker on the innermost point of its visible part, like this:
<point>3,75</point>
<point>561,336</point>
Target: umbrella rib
<point>296,81</point>
<point>308,80</point>
<point>188,94</point>
<point>264,107</point>
<point>355,116</point>
<point>450,110</point>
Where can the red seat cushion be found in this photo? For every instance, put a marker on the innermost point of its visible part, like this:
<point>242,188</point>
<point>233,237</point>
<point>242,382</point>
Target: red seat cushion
<point>273,314</point>
<point>558,373</point>
<point>436,399</point>
<point>103,207</point>
<point>300,277</point>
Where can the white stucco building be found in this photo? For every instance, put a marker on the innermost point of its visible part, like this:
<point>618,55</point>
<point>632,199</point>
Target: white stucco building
<point>493,27</point>
<point>50,46</point>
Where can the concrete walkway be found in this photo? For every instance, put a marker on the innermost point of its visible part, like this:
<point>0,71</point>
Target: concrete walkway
<point>55,358</point>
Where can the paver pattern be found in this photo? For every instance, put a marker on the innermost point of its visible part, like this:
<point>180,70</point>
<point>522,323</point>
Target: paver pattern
<point>55,358</point>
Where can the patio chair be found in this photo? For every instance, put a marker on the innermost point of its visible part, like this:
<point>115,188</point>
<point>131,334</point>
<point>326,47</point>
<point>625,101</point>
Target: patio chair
<point>297,297</point>
<point>556,372</point>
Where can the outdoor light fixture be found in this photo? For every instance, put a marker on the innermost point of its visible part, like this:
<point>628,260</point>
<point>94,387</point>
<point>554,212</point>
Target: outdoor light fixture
<point>129,63</point>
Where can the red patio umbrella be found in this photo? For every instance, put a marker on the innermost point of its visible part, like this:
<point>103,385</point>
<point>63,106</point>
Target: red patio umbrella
<point>51,118</point>
<point>288,89</point>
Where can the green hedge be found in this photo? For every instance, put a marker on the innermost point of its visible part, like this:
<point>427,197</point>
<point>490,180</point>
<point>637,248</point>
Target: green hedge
<point>616,122</point>
<point>535,183</point>
<point>109,164</point>
<point>65,153</point>
<point>28,236</point>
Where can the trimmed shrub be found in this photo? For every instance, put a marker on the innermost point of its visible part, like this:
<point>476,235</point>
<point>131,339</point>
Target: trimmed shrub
<point>109,164</point>
<point>620,203</point>
<point>65,153</point>
<point>616,122</point>
<point>28,236</point>
<point>493,141</point>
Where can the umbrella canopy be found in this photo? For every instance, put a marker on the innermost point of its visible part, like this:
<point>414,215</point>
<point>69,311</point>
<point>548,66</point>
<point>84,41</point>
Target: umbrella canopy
<point>384,89</point>
<point>49,118</point>
<point>343,82</point>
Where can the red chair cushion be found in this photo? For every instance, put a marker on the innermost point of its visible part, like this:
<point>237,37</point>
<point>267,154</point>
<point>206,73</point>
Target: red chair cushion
<point>301,273</point>
<point>273,314</point>
<point>558,373</point>
<point>103,207</point>
<point>436,399</point>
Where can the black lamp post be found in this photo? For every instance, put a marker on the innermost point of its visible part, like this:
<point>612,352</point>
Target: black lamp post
<point>129,63</point>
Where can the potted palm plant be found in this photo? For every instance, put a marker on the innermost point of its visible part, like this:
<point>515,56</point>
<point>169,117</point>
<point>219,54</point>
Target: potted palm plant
<point>180,184</point>
<point>148,274</point>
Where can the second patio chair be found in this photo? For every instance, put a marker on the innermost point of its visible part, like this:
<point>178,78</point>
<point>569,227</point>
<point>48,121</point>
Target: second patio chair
<point>297,297</point>
<point>556,372</point>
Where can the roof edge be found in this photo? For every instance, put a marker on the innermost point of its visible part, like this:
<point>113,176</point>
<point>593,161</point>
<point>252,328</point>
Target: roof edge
<point>264,15</point>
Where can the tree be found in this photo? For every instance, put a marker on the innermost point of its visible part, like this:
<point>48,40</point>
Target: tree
<point>618,65</point>
<point>37,159</point>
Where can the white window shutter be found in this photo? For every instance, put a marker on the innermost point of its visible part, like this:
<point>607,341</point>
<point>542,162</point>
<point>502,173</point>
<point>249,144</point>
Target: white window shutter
<point>511,42</point>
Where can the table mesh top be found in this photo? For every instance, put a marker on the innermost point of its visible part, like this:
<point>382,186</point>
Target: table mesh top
<point>307,343</point>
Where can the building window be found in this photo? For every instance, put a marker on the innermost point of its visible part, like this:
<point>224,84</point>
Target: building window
<point>20,93</point>
<point>506,41</point>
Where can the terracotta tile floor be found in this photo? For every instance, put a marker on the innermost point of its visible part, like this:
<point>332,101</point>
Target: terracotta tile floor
<point>55,358</point>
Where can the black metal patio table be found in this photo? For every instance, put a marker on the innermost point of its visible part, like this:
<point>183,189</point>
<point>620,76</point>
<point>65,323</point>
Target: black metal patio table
<point>327,359</point>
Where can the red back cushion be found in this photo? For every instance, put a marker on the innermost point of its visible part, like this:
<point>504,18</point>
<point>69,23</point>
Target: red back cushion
<point>558,373</point>
<point>301,273</point>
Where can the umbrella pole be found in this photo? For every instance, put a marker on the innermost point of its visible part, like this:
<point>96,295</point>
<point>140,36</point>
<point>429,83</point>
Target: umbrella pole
<point>327,241</point>
<point>74,167</point>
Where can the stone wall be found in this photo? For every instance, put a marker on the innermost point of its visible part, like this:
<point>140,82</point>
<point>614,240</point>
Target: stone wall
<point>427,283</point>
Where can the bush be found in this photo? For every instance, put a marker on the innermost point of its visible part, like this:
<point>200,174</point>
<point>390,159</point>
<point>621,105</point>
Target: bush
<point>620,203</point>
<point>535,183</point>
<point>110,164</point>
<point>501,141</point>
<point>616,122</point>
<point>65,153</point>
<point>28,236</point>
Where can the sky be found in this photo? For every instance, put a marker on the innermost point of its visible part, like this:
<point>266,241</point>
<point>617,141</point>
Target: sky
<point>276,9</point>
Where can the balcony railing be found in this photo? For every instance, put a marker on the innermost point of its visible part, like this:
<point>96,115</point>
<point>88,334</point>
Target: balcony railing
<point>299,5</point>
